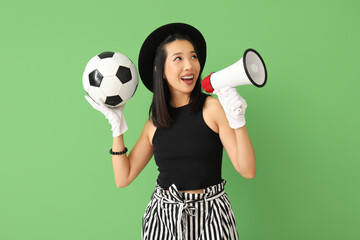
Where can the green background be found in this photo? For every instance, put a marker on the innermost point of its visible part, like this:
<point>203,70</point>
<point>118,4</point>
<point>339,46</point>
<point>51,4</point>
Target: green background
<point>56,176</point>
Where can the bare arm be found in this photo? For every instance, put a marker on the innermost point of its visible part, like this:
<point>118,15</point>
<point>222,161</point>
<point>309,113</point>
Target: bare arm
<point>237,142</point>
<point>127,168</point>
<point>245,154</point>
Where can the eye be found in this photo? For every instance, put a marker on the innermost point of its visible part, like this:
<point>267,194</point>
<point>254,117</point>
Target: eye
<point>177,58</point>
<point>194,57</point>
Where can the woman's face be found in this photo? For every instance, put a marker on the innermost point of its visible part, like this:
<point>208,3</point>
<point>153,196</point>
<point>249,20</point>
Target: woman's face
<point>182,66</point>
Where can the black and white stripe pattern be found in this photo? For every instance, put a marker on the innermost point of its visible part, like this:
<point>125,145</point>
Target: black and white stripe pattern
<point>184,216</point>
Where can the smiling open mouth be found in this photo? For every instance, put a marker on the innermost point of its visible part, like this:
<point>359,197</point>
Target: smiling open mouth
<point>187,77</point>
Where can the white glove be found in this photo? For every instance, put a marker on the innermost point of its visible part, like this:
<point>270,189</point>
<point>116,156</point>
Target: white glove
<point>114,115</point>
<point>234,106</point>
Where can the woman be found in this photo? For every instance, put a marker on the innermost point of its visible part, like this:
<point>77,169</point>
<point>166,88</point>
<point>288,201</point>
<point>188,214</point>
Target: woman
<point>186,133</point>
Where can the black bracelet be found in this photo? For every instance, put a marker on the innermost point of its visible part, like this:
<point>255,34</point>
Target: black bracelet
<point>118,153</point>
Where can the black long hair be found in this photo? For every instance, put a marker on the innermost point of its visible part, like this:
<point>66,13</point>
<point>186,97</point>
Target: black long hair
<point>159,109</point>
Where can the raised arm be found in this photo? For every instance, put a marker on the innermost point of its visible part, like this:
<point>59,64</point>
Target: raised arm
<point>233,133</point>
<point>127,168</point>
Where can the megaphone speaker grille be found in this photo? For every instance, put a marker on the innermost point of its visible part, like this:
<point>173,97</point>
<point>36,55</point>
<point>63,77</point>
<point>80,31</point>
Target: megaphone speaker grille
<point>255,67</point>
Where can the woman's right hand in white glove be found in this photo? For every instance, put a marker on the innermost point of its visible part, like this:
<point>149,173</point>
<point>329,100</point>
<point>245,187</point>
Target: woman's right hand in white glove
<point>114,115</point>
<point>234,106</point>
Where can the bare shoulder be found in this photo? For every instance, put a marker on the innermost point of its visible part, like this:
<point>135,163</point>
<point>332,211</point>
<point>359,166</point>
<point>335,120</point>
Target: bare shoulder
<point>149,130</point>
<point>212,105</point>
<point>211,112</point>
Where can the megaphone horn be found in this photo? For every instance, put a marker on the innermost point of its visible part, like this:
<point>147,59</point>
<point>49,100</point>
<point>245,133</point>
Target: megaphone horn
<point>250,69</point>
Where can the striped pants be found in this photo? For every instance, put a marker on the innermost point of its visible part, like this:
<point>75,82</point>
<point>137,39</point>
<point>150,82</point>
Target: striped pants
<point>184,216</point>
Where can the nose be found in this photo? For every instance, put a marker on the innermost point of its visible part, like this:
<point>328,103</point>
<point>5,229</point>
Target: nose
<point>188,65</point>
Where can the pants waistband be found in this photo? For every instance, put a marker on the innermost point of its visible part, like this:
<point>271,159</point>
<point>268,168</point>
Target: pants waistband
<point>207,191</point>
<point>182,198</point>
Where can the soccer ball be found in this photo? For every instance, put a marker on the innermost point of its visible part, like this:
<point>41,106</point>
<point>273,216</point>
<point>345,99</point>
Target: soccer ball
<point>111,77</point>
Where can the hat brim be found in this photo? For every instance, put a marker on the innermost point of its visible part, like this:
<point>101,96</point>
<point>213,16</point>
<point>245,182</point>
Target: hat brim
<point>151,43</point>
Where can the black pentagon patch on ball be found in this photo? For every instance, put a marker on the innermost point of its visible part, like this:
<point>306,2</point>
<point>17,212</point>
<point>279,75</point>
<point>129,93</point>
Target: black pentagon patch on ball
<point>124,74</point>
<point>113,100</point>
<point>95,78</point>
<point>106,55</point>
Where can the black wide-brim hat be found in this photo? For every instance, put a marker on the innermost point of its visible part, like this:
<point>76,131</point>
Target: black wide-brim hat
<point>151,43</point>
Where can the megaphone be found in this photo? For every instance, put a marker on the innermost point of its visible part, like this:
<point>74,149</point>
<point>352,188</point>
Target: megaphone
<point>250,69</point>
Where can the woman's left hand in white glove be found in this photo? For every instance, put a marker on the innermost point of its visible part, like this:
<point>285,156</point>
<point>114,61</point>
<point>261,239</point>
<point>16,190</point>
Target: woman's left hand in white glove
<point>234,106</point>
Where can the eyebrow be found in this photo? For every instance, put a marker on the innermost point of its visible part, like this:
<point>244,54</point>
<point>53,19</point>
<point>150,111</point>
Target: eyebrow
<point>178,53</point>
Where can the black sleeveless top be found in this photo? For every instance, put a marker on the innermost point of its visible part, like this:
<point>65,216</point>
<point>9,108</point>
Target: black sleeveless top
<point>189,153</point>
